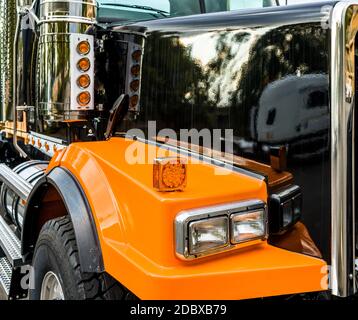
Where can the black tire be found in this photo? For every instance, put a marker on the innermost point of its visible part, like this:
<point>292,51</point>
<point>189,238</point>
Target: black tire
<point>56,251</point>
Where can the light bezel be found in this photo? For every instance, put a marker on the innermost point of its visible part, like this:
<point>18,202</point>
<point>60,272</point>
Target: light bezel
<point>78,64</point>
<point>184,218</point>
<point>89,98</point>
<point>83,53</point>
<point>134,67</point>
<point>131,83</point>
<point>135,96</point>
<point>86,76</point>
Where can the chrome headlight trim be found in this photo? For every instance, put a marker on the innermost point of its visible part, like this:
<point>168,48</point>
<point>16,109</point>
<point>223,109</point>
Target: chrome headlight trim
<point>182,220</point>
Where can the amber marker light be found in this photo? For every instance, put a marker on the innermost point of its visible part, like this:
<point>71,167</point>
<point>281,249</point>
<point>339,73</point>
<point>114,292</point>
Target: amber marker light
<point>169,174</point>
<point>135,70</point>
<point>136,55</point>
<point>84,98</point>
<point>83,48</point>
<point>83,64</point>
<point>134,101</point>
<point>84,81</point>
<point>134,85</point>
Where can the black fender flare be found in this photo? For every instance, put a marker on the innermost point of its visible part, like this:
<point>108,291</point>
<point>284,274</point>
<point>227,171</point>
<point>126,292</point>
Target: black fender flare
<point>78,208</point>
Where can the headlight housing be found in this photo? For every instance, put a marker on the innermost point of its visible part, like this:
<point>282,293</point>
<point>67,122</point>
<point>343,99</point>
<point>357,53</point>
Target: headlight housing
<point>211,230</point>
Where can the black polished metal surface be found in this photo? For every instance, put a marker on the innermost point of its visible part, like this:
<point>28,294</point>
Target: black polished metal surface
<point>263,73</point>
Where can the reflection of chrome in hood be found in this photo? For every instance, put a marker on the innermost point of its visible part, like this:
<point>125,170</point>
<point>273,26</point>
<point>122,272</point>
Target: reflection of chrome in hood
<point>293,107</point>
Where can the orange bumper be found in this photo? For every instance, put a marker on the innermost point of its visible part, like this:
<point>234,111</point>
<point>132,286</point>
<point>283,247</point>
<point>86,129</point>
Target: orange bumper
<point>253,272</point>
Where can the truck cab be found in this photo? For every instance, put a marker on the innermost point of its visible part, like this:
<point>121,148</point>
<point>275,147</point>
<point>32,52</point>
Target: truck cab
<point>141,156</point>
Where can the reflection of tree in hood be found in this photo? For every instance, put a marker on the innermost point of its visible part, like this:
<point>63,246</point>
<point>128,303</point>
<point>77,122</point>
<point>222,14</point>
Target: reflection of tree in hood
<point>181,92</point>
<point>280,52</point>
<point>173,84</point>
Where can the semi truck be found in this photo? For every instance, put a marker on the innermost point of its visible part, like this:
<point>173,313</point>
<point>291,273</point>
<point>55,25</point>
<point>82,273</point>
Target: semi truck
<point>135,160</point>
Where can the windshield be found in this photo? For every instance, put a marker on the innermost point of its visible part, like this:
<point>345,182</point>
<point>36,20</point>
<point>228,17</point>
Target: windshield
<point>135,10</point>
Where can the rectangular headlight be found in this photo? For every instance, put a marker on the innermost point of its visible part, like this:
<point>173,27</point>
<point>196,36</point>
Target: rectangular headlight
<point>209,234</point>
<point>206,231</point>
<point>248,226</point>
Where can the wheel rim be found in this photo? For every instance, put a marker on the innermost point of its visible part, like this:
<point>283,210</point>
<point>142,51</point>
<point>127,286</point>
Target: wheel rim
<point>51,288</point>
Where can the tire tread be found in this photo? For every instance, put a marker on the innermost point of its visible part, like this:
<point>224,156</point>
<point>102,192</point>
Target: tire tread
<point>91,286</point>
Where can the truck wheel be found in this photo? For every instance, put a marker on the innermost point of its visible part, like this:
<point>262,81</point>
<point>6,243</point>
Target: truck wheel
<point>57,272</point>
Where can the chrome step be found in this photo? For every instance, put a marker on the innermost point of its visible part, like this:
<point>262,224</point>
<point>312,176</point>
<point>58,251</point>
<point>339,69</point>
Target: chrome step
<point>5,275</point>
<point>10,244</point>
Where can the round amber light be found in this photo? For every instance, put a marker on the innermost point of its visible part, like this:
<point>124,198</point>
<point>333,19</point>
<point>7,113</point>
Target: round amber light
<point>135,70</point>
<point>83,47</point>
<point>134,85</point>
<point>174,175</point>
<point>84,81</point>
<point>83,64</point>
<point>84,98</point>
<point>134,101</point>
<point>136,55</point>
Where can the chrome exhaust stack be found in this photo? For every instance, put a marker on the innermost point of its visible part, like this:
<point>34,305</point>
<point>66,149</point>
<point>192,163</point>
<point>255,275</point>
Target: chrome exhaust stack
<point>60,25</point>
<point>63,25</point>
<point>343,111</point>
<point>8,14</point>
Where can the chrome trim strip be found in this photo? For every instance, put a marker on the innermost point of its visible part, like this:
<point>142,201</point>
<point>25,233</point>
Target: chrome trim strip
<point>342,110</point>
<point>68,19</point>
<point>183,219</point>
<point>202,157</point>
<point>128,31</point>
<point>47,138</point>
<point>94,4</point>
<point>46,144</point>
<point>15,182</point>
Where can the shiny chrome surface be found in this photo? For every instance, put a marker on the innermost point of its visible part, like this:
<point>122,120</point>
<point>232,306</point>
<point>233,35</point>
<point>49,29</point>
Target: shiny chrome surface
<point>59,22</point>
<point>343,72</point>
<point>45,143</point>
<point>10,244</point>
<point>51,288</point>
<point>16,183</point>
<point>27,173</point>
<point>183,219</point>
<point>79,11</point>
<point>75,39</point>
<point>7,32</point>
<point>54,89</point>
<point>5,274</point>
<point>14,88</point>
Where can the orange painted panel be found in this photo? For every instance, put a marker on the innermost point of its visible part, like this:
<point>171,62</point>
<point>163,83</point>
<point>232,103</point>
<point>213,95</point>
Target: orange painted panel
<point>136,228</point>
